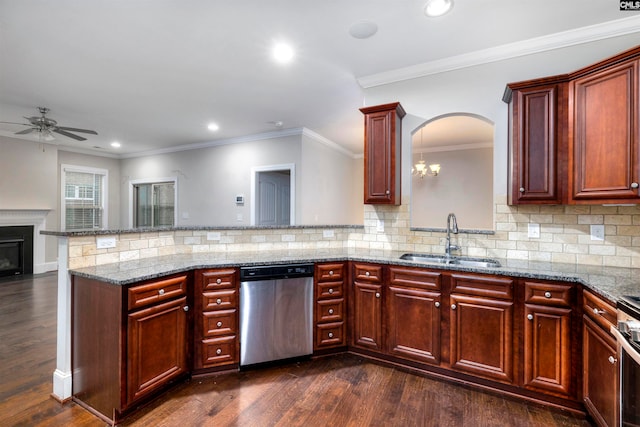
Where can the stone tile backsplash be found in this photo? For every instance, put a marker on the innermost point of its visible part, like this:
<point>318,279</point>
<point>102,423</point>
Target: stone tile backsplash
<point>564,237</point>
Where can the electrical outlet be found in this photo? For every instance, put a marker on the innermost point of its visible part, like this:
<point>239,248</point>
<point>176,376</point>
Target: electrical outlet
<point>534,231</point>
<point>597,232</point>
<point>327,234</point>
<point>105,242</point>
<point>213,235</point>
<point>380,226</point>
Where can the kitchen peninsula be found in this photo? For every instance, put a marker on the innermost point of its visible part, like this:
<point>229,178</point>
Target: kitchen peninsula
<point>514,287</point>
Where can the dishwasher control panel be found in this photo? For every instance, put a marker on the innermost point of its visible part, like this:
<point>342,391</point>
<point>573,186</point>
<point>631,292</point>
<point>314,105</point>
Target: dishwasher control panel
<point>277,271</point>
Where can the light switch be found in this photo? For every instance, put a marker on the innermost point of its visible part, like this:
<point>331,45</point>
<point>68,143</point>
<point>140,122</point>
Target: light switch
<point>534,231</point>
<point>597,232</point>
<point>105,242</point>
<point>380,226</point>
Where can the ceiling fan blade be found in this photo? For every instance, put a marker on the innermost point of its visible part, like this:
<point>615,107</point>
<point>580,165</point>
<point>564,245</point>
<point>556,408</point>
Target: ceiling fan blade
<point>68,134</point>
<point>15,123</point>
<point>93,132</point>
<point>26,131</point>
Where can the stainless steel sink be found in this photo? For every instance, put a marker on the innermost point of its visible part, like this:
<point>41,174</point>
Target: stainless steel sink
<point>454,260</point>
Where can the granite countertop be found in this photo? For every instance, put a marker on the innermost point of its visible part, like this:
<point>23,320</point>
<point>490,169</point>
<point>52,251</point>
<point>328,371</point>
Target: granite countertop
<point>608,282</point>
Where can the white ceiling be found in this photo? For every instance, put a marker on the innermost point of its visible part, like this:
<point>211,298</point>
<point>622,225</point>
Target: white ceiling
<point>151,74</point>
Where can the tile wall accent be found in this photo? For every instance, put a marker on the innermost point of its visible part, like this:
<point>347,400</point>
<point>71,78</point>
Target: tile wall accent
<point>564,237</point>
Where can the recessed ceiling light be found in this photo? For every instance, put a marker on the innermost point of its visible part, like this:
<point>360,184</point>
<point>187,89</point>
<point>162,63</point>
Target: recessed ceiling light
<point>213,127</point>
<point>363,29</point>
<point>282,52</point>
<point>115,144</point>
<point>435,8</point>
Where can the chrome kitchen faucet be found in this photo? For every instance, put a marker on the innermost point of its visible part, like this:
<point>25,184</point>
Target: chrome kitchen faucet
<point>452,226</point>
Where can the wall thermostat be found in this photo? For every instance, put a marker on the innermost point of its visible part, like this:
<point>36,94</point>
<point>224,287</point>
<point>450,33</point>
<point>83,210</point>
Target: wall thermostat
<point>240,199</point>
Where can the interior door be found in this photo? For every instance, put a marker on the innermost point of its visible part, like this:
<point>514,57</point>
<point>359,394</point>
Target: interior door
<point>274,198</point>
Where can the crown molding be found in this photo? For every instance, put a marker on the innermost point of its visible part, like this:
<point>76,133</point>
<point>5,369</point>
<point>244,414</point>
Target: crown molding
<point>605,30</point>
<point>321,139</point>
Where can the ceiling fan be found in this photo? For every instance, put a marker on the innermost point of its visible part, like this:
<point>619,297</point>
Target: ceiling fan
<point>45,127</point>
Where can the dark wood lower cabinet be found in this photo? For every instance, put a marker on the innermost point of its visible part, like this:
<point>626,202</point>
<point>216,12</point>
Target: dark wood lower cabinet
<point>367,316</point>
<point>600,374</point>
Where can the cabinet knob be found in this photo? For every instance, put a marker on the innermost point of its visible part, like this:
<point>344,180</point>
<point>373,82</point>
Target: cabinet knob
<point>377,294</point>
<point>547,294</point>
<point>331,311</point>
<point>218,301</point>
<point>522,189</point>
<point>634,185</point>
<point>453,306</point>
<point>330,272</point>
<point>219,352</point>
<point>330,291</point>
<point>530,316</point>
<point>598,312</point>
<point>219,324</point>
<point>387,192</point>
<point>437,304</point>
<point>330,335</point>
<point>185,308</point>
<point>218,281</point>
<point>161,292</point>
<point>612,360</point>
<point>367,274</point>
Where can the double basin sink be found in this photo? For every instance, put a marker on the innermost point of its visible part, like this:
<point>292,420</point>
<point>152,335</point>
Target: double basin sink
<point>451,260</point>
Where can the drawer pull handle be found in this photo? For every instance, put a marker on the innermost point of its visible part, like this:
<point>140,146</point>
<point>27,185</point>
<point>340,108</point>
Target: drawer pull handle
<point>367,274</point>
<point>453,306</point>
<point>218,352</point>
<point>330,272</point>
<point>612,360</point>
<point>598,312</point>
<point>218,301</point>
<point>522,189</point>
<point>161,292</point>
<point>330,290</point>
<point>377,294</point>
<point>219,281</point>
<point>185,308</point>
<point>331,311</point>
<point>530,316</point>
<point>437,304</point>
<point>634,185</point>
<point>330,334</point>
<point>547,294</point>
<point>219,324</point>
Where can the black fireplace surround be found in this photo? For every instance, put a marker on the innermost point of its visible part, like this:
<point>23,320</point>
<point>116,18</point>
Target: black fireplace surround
<point>16,250</point>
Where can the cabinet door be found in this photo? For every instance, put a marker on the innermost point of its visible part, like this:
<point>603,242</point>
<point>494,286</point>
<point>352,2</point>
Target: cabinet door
<point>600,376</point>
<point>414,324</point>
<point>157,347</point>
<point>534,147</point>
<point>367,316</point>
<point>482,337</point>
<point>382,136</point>
<point>547,349</point>
<point>605,146</point>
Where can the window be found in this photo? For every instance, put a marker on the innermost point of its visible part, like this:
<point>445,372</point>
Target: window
<point>83,205</point>
<point>154,204</point>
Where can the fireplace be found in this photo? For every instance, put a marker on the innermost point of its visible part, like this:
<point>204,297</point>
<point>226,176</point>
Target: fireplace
<point>16,250</point>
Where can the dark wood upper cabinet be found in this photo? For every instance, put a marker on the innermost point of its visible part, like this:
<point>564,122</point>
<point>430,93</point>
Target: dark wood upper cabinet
<point>574,138</point>
<point>538,141</point>
<point>604,146</point>
<point>382,139</point>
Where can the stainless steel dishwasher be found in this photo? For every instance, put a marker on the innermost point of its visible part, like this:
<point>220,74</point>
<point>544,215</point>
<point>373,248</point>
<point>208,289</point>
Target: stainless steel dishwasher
<point>276,312</point>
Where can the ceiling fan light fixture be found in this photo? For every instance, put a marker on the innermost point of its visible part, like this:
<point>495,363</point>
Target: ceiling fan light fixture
<point>435,8</point>
<point>116,144</point>
<point>363,29</point>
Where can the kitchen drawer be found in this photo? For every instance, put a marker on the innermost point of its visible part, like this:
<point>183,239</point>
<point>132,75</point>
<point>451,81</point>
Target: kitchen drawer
<point>600,311</point>
<point>220,322</point>
<point>219,351</point>
<point>486,286</point>
<point>331,310</point>
<point>154,292</point>
<point>371,273</point>
<point>330,290</point>
<point>218,279</point>
<point>220,300</point>
<point>548,293</point>
<point>415,278</point>
<point>330,335</point>
<point>329,272</point>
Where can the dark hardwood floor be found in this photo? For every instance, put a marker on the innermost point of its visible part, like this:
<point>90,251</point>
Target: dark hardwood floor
<point>333,391</point>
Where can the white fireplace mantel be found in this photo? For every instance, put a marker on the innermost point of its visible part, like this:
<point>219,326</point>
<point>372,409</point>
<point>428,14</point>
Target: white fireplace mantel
<point>38,219</point>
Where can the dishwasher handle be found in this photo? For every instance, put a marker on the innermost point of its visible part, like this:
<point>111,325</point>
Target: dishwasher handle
<point>275,272</point>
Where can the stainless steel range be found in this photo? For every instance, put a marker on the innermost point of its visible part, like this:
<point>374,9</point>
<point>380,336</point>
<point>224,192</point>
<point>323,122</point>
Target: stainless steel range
<point>628,337</point>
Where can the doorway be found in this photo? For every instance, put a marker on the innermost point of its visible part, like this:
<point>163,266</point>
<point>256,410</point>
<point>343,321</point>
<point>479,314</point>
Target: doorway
<point>273,196</point>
